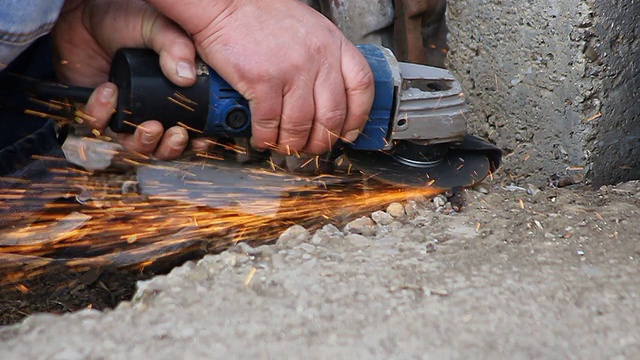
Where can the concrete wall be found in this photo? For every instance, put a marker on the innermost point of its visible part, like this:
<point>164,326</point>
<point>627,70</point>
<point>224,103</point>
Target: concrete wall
<point>616,44</point>
<point>553,82</point>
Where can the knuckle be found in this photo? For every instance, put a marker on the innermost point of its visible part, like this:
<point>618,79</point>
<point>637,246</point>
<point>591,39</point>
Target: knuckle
<point>319,49</point>
<point>296,128</point>
<point>266,124</point>
<point>295,135</point>
<point>264,132</point>
<point>257,74</point>
<point>362,79</point>
<point>332,119</point>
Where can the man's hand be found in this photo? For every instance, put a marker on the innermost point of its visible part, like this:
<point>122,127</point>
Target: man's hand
<point>306,84</point>
<point>87,35</point>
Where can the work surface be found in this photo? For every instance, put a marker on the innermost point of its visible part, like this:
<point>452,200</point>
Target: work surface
<point>516,274</point>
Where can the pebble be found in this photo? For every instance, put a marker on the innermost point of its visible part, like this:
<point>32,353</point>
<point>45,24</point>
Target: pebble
<point>184,269</point>
<point>197,274</point>
<point>264,250</point>
<point>396,210</point>
<point>481,189</point>
<point>242,259</point>
<point>329,255</point>
<point>228,258</point>
<point>513,188</point>
<point>430,246</point>
<point>278,261</point>
<point>439,200</point>
<point>91,154</point>
<point>243,248</point>
<point>395,226</point>
<point>363,226</point>
<point>294,253</point>
<point>381,218</point>
<point>532,190</point>
<point>357,240</point>
<point>411,208</point>
<point>325,235</point>
<point>448,209</point>
<point>308,248</point>
<point>293,236</point>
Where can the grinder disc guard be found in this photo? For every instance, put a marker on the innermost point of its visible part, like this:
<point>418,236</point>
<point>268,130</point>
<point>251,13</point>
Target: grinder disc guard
<point>463,164</point>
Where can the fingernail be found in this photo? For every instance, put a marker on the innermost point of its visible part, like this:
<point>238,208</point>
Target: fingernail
<point>148,138</point>
<point>352,135</point>
<point>178,140</point>
<point>256,146</point>
<point>186,70</point>
<point>107,93</point>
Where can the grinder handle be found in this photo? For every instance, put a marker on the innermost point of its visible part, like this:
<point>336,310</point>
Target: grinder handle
<point>210,107</point>
<point>144,93</point>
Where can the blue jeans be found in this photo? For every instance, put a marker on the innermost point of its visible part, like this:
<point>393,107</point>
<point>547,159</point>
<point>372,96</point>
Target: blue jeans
<point>22,136</point>
<point>22,22</point>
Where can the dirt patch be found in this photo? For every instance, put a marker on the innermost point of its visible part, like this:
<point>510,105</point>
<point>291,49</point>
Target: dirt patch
<point>62,291</point>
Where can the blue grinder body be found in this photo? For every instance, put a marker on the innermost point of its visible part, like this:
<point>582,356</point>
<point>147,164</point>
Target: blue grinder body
<point>213,108</point>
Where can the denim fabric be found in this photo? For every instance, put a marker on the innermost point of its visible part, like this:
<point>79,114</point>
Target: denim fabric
<point>22,22</point>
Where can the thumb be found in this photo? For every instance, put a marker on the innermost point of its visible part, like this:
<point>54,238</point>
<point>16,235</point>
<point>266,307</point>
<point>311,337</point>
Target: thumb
<point>175,47</point>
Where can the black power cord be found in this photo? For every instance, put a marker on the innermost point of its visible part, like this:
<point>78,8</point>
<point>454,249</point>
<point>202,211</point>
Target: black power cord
<point>46,90</point>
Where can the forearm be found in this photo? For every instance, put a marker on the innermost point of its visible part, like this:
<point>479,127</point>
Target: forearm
<point>22,22</point>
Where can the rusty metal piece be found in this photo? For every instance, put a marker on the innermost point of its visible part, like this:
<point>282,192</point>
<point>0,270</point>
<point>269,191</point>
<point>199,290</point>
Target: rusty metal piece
<point>362,21</point>
<point>410,18</point>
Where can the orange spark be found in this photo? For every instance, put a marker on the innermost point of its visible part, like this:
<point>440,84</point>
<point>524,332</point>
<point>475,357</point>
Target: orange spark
<point>178,102</point>
<point>250,275</point>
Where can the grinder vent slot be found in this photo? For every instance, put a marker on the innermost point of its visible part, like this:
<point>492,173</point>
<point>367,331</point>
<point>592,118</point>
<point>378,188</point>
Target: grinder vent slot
<point>427,85</point>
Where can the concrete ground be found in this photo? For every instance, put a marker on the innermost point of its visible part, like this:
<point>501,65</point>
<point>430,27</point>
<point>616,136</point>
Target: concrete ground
<point>519,273</point>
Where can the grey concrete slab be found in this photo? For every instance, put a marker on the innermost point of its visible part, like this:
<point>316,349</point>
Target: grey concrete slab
<point>555,83</point>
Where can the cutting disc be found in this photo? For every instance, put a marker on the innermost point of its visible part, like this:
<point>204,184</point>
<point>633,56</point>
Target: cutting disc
<point>461,164</point>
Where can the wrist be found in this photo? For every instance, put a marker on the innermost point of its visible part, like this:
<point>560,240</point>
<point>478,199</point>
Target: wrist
<point>194,15</point>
